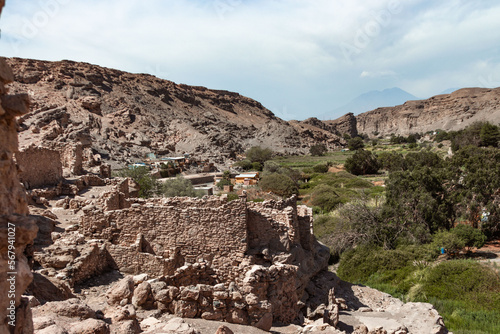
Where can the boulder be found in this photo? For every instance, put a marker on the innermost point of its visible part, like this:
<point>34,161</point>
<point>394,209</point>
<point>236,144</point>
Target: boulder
<point>121,290</point>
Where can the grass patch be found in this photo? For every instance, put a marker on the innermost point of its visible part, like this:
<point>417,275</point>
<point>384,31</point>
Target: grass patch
<point>465,293</point>
<point>308,161</point>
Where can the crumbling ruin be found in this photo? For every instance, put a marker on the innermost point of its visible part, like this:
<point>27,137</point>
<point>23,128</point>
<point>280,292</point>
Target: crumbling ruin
<point>237,261</point>
<point>17,230</point>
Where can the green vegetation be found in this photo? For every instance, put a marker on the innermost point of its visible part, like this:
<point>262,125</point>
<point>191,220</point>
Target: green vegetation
<point>259,154</point>
<point>279,184</point>
<point>149,186</point>
<point>355,143</point>
<point>390,237</point>
<point>466,293</point>
<point>318,150</point>
<point>177,187</point>
<point>226,180</point>
<point>362,162</point>
<point>301,162</point>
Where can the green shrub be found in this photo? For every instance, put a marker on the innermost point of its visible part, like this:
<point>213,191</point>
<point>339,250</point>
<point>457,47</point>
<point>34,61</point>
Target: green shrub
<point>318,150</point>
<point>232,197</point>
<point>244,164</point>
<point>463,280</point>
<point>259,154</point>
<point>148,185</point>
<point>362,163</point>
<point>355,143</point>
<point>256,166</point>
<point>280,184</point>
<point>177,187</point>
<point>320,168</point>
<point>471,237</point>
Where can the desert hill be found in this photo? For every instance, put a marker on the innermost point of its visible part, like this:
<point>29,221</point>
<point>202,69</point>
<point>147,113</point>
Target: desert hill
<point>447,112</point>
<point>124,116</point>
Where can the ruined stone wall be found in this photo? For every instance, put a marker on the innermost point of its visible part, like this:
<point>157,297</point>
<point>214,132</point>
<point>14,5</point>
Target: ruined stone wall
<point>16,229</point>
<point>264,250</point>
<point>39,166</point>
<point>164,234</point>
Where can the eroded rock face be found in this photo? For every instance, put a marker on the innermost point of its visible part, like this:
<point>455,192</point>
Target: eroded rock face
<point>17,231</point>
<point>448,112</point>
<point>123,116</point>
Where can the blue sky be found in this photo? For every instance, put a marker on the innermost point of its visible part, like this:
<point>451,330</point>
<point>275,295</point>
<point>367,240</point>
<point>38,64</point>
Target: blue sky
<point>299,58</point>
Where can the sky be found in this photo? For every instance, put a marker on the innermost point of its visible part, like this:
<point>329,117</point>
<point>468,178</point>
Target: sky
<point>299,58</point>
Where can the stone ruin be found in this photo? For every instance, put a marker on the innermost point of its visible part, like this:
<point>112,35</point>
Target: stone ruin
<point>17,229</point>
<point>235,261</point>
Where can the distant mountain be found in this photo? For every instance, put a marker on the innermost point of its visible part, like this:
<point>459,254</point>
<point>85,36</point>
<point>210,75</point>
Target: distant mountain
<point>449,90</point>
<point>374,99</point>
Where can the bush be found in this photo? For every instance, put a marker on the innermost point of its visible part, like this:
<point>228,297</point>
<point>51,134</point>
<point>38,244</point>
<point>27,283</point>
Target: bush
<point>279,184</point>
<point>148,185</point>
<point>470,236</point>
<point>320,168</point>
<point>178,187</point>
<point>256,166</point>
<point>244,164</point>
<point>271,167</point>
<point>462,280</point>
<point>355,143</point>
<point>318,150</point>
<point>327,198</point>
<point>361,163</point>
<point>259,154</point>
<point>223,183</point>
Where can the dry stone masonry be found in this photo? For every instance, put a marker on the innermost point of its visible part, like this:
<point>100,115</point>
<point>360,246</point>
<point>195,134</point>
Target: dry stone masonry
<point>237,261</point>
<point>17,230</point>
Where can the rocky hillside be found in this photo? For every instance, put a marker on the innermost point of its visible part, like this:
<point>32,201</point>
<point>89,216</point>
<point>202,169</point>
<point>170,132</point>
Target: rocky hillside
<point>123,116</point>
<point>448,112</point>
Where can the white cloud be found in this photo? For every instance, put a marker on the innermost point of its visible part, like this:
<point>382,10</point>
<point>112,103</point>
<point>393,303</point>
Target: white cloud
<point>280,52</point>
<point>377,74</point>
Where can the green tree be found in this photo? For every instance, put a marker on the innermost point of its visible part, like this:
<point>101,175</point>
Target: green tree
<point>391,161</point>
<point>178,187</point>
<point>490,135</point>
<point>225,181</point>
<point>361,163</point>
<point>470,236</point>
<point>259,154</point>
<point>271,167</point>
<point>418,201</point>
<point>148,185</point>
<point>318,150</point>
<point>280,184</point>
<point>355,143</point>
<point>257,166</point>
<point>244,164</point>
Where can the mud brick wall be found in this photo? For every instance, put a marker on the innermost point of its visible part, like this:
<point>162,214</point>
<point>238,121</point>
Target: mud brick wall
<point>171,232</point>
<point>39,166</point>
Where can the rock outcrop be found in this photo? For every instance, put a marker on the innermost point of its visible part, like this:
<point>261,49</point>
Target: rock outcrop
<point>448,112</point>
<point>17,230</point>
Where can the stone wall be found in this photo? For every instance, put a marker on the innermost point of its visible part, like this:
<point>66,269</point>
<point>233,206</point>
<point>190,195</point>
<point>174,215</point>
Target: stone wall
<point>39,166</point>
<point>17,230</point>
<point>266,251</point>
<point>164,234</point>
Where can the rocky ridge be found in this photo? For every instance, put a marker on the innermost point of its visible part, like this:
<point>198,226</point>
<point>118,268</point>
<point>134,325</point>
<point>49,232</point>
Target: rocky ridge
<point>124,116</point>
<point>453,111</point>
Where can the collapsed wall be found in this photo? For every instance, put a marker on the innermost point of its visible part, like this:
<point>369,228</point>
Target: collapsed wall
<point>17,230</point>
<point>39,166</point>
<point>265,252</point>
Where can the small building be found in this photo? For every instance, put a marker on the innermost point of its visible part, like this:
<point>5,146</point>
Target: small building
<point>247,178</point>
